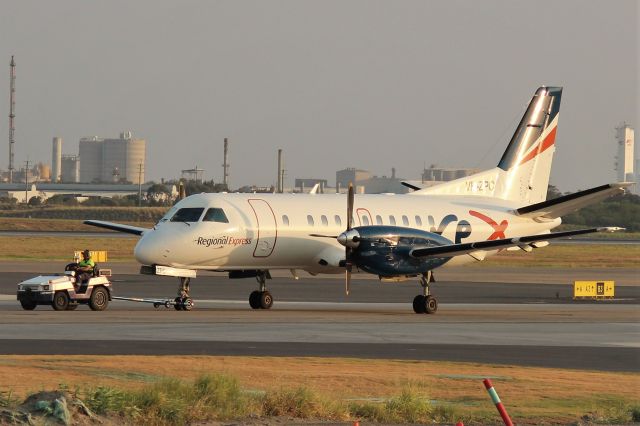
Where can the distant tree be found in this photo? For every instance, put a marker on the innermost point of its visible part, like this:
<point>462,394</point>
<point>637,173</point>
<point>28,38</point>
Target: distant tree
<point>621,210</point>
<point>35,201</point>
<point>62,199</point>
<point>553,192</point>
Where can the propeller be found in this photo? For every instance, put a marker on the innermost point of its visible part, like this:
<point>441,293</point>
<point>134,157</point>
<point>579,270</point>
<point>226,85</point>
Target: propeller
<point>344,239</point>
<point>350,239</point>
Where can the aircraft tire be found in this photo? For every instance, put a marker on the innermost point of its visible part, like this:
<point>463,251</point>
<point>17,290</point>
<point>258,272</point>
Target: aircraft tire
<point>187,304</point>
<point>266,300</point>
<point>419,304</point>
<point>60,301</point>
<point>178,305</point>
<point>431,305</point>
<point>254,300</point>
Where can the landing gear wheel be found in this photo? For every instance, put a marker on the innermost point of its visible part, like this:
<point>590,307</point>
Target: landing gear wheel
<point>431,305</point>
<point>266,300</point>
<point>99,299</point>
<point>254,300</point>
<point>178,304</point>
<point>27,305</point>
<point>60,301</point>
<point>187,304</point>
<point>419,306</point>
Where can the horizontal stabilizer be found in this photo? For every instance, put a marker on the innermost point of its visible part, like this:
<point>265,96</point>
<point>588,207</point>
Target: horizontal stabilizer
<point>561,206</point>
<point>128,229</point>
<point>411,186</point>
<point>451,250</point>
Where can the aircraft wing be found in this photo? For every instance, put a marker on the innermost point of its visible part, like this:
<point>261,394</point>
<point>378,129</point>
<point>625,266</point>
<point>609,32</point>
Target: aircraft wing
<point>116,227</point>
<point>465,248</point>
<point>560,206</point>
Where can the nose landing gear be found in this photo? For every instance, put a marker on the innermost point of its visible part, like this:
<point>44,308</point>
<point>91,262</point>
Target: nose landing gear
<point>261,299</point>
<point>183,302</point>
<point>425,303</point>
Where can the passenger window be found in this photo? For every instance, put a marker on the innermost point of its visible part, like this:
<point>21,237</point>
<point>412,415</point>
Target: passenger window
<point>418,220</point>
<point>392,220</point>
<point>189,214</point>
<point>324,220</point>
<point>338,220</point>
<point>215,214</point>
<point>405,220</point>
<point>285,220</point>
<point>365,220</point>
<point>310,220</point>
<point>378,220</point>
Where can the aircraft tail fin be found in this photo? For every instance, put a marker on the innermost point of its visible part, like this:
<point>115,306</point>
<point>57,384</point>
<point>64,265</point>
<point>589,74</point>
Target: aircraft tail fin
<point>522,175</point>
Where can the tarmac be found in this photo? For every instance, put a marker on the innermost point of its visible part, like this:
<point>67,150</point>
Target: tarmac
<point>526,323</point>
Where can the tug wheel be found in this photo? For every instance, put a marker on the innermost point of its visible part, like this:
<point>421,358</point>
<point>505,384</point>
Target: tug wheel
<point>28,305</point>
<point>60,301</point>
<point>99,299</point>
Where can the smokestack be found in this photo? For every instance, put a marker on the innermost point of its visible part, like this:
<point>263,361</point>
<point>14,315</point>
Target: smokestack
<point>56,160</point>
<point>225,164</point>
<point>280,188</point>
<point>12,115</point>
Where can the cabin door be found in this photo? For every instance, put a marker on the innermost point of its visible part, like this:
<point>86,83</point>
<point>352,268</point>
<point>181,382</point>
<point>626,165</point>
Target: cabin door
<point>266,228</point>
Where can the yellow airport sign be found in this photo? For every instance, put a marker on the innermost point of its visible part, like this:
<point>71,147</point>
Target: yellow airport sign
<point>96,255</point>
<point>593,289</point>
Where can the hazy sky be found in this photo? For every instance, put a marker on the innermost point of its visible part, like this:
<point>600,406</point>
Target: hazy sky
<point>367,84</point>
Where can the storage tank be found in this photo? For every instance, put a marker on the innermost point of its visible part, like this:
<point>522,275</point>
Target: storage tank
<point>44,171</point>
<point>136,152</point>
<point>56,159</point>
<point>90,153</point>
<point>70,169</point>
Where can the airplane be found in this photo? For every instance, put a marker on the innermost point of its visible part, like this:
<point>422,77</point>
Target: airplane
<point>396,237</point>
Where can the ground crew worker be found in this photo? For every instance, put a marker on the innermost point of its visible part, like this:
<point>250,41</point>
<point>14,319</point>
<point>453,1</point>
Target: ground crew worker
<point>84,271</point>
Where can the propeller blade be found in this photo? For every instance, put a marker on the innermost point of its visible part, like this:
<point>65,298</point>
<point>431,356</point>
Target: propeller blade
<point>347,281</point>
<point>323,236</point>
<point>350,207</point>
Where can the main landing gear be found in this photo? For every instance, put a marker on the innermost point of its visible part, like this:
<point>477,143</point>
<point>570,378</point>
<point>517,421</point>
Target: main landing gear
<point>183,302</point>
<point>261,299</point>
<point>425,303</point>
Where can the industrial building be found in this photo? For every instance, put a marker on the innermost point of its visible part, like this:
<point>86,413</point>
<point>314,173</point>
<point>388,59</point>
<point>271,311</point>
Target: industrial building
<point>351,174</point>
<point>439,174</point>
<point>627,164</point>
<point>112,160</point>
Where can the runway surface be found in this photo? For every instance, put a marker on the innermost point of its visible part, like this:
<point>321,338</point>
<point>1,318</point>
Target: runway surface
<point>500,323</point>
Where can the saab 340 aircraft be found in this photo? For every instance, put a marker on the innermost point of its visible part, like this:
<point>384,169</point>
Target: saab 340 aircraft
<point>392,236</point>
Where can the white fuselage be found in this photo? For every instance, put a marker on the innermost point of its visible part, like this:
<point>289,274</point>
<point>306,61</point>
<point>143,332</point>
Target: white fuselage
<point>272,231</point>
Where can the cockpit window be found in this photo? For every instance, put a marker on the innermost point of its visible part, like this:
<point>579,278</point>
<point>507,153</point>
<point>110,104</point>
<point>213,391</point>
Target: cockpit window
<point>215,214</point>
<point>189,214</point>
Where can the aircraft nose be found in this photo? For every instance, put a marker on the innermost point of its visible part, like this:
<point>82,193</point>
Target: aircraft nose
<point>147,251</point>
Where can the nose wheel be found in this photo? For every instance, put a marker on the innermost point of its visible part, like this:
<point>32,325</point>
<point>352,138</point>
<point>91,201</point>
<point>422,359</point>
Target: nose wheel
<point>183,302</point>
<point>261,299</point>
<point>425,303</point>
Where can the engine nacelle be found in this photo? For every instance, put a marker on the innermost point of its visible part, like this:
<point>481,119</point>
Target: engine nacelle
<point>384,250</point>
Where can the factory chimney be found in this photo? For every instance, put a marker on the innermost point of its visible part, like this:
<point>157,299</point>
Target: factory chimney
<point>12,115</point>
<point>225,164</point>
<point>56,160</point>
<point>280,188</point>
